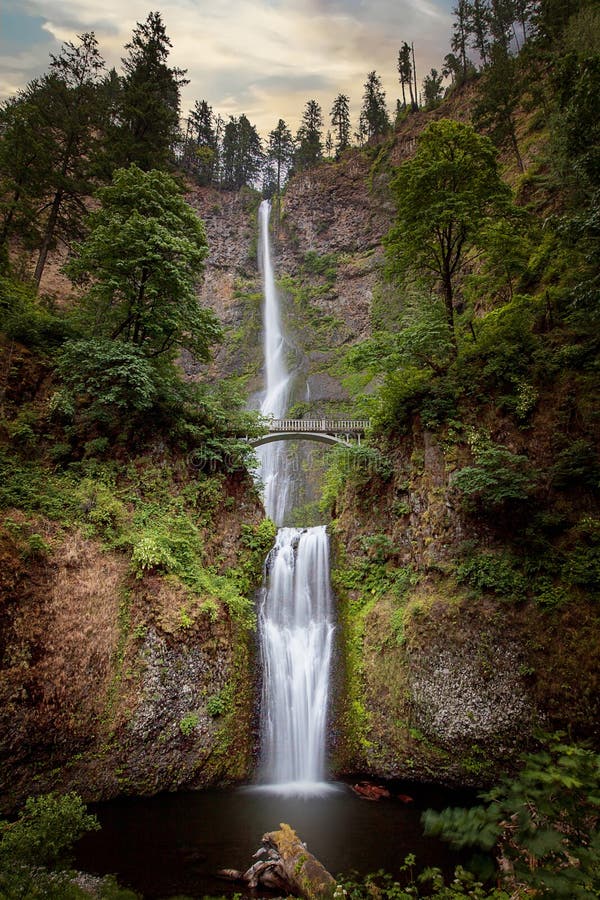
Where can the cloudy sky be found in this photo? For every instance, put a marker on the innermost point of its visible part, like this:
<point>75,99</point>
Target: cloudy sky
<point>263,59</point>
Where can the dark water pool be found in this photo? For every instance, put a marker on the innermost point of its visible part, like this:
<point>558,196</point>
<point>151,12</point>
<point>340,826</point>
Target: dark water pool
<point>175,843</point>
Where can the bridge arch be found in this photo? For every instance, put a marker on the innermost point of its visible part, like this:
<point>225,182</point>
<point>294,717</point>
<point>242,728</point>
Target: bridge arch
<point>321,437</point>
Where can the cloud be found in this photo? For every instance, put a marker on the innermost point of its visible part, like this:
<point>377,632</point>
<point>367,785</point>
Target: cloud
<point>264,59</point>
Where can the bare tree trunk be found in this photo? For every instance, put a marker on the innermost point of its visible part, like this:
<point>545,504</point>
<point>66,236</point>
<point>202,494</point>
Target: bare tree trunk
<point>284,863</point>
<point>48,237</point>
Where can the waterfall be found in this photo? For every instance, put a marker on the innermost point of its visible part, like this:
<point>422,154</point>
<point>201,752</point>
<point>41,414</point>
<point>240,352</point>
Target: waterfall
<point>273,457</point>
<point>295,617</point>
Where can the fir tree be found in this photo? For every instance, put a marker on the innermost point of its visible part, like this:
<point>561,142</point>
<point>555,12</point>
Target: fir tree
<point>71,117</point>
<point>309,149</point>
<point>280,152</point>
<point>148,113</point>
<point>340,120</point>
<point>374,115</point>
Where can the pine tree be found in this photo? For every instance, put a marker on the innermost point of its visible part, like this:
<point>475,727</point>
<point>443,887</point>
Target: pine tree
<point>374,115</point>
<point>478,24</point>
<point>432,89</point>
<point>241,154</point>
<point>340,119</point>
<point>460,34</point>
<point>280,152</point>
<point>499,97</point>
<point>405,73</point>
<point>200,152</point>
<point>71,117</point>
<point>148,114</point>
<point>309,149</point>
<point>25,163</point>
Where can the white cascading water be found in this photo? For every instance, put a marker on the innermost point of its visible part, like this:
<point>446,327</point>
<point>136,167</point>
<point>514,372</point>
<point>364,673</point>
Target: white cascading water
<point>295,620</point>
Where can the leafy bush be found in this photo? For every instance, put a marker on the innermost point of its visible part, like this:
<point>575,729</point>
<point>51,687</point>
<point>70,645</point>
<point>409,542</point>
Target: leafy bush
<point>45,831</point>
<point>108,380</point>
<point>493,572</point>
<point>25,317</point>
<point>543,823</point>
<point>498,478</point>
<point>407,885</point>
<point>189,724</point>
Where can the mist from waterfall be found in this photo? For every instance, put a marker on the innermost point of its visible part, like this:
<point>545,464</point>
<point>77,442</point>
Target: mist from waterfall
<point>295,617</point>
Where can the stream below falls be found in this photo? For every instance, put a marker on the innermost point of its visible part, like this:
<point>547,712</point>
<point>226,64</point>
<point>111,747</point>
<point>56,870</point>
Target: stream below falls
<point>174,844</point>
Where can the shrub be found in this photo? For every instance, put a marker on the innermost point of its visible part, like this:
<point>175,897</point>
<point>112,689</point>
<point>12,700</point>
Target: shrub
<point>493,572</point>
<point>499,477</point>
<point>45,830</point>
<point>189,723</point>
<point>543,823</point>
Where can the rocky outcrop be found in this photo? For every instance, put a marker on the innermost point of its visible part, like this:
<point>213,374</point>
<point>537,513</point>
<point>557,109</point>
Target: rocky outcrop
<point>114,684</point>
<point>440,682</point>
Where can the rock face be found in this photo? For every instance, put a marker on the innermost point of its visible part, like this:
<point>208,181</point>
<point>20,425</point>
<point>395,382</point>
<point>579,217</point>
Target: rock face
<point>112,684</point>
<point>437,682</point>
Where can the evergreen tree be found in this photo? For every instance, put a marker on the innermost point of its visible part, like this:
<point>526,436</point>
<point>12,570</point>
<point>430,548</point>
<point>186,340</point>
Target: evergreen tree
<point>374,115</point>
<point>280,152</point>
<point>460,35</point>
<point>478,24</point>
<point>498,99</point>
<point>241,154</point>
<point>25,163</point>
<point>309,149</point>
<point>71,117</point>
<point>405,73</point>
<point>432,89</point>
<point>148,114</point>
<point>201,151</point>
<point>340,120</point>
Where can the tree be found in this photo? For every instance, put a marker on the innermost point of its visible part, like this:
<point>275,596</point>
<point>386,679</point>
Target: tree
<point>405,73</point>
<point>499,97</point>
<point>446,197</point>
<point>460,35</point>
<point>340,120</point>
<point>478,23</point>
<point>65,110</point>
<point>280,151</point>
<point>25,160</point>
<point>309,149</point>
<point>432,89</point>
<point>241,154</point>
<point>147,121</point>
<point>201,149</point>
<point>374,115</point>
<point>142,259</point>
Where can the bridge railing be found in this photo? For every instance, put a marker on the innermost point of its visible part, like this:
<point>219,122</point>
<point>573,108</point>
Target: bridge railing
<point>323,426</point>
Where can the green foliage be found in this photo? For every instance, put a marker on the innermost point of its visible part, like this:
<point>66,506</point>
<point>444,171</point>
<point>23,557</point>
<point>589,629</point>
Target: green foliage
<point>108,381</point>
<point>45,831</point>
<point>145,252</point>
<point>498,478</point>
<point>217,705</point>
<point>189,724</point>
<point>493,572</point>
<point>544,822</point>
<point>409,885</point>
<point>27,318</point>
<point>355,465</point>
<point>447,195</point>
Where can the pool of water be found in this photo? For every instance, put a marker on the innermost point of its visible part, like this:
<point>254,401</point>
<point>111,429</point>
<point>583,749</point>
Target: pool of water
<point>176,843</point>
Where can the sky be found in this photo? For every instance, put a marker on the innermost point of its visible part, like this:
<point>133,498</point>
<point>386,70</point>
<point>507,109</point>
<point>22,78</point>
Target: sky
<point>262,59</point>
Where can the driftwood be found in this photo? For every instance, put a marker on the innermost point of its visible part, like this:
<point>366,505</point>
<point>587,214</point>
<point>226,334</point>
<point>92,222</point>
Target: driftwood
<point>284,863</point>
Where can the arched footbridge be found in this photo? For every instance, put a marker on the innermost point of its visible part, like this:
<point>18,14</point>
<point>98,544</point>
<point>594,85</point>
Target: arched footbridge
<point>327,431</point>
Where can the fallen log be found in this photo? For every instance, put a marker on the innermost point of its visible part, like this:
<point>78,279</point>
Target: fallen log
<point>285,863</point>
